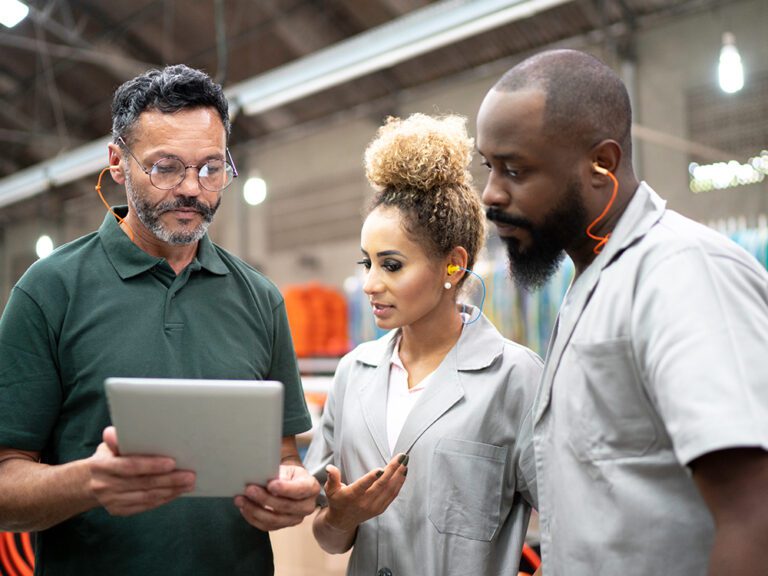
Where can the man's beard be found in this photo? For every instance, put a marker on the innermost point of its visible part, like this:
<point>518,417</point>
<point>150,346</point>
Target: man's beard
<point>149,215</point>
<point>532,267</point>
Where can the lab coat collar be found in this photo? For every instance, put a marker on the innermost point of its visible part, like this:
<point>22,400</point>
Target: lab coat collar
<point>477,348</point>
<point>641,214</point>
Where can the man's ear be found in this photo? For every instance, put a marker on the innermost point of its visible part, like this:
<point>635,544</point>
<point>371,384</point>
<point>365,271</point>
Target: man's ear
<point>115,163</point>
<point>605,156</point>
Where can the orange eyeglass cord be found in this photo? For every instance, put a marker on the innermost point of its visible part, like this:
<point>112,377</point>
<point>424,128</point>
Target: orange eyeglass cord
<point>128,228</point>
<point>601,240</point>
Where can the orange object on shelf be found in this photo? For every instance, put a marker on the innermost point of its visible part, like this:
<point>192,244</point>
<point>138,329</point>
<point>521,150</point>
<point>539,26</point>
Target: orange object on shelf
<point>317,316</point>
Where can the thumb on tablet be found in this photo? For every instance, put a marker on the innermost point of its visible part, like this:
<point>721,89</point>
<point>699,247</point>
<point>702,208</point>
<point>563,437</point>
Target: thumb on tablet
<point>110,439</point>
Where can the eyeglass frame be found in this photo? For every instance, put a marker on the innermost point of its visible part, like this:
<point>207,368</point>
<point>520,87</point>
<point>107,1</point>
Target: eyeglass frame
<point>230,161</point>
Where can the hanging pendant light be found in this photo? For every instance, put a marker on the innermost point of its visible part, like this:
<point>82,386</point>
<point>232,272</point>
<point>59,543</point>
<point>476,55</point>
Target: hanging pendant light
<point>730,70</point>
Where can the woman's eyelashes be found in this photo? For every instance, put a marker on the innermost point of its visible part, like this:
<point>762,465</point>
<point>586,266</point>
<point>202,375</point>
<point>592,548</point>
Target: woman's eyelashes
<point>391,265</point>
<point>388,265</point>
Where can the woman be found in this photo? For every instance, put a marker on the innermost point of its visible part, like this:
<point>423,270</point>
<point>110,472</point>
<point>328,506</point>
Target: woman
<point>441,398</point>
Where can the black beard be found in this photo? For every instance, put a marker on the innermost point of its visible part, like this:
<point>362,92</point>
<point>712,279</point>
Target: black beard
<point>531,268</point>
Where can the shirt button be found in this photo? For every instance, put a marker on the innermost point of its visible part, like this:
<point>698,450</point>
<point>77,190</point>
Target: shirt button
<point>384,572</point>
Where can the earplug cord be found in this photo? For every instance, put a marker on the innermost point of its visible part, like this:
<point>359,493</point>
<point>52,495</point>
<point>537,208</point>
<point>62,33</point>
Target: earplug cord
<point>121,220</point>
<point>455,268</point>
<point>601,240</point>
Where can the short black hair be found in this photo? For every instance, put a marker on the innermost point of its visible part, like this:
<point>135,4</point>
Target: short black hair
<point>168,90</point>
<point>586,101</point>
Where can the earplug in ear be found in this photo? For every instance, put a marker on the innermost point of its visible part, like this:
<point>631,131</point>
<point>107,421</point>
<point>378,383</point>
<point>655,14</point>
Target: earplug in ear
<point>599,169</point>
<point>453,268</point>
<point>602,240</point>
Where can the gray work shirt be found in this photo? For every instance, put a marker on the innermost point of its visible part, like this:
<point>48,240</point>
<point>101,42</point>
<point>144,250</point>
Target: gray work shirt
<point>659,357</point>
<point>465,504</point>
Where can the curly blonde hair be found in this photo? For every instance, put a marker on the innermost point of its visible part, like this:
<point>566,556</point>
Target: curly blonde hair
<point>420,166</point>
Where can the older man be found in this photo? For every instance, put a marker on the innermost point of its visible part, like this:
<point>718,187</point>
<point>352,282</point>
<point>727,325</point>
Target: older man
<point>148,294</point>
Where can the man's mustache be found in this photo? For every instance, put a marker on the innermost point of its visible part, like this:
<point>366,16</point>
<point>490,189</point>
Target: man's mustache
<point>185,202</point>
<point>496,215</point>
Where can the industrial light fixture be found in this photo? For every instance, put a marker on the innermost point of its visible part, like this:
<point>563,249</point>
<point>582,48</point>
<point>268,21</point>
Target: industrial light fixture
<point>730,70</point>
<point>12,12</point>
<point>255,190</point>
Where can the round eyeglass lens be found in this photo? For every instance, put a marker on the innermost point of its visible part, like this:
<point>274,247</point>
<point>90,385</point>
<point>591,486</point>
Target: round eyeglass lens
<point>215,175</point>
<point>167,173</point>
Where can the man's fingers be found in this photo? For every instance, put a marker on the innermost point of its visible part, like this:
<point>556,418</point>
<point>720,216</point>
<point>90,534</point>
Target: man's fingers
<point>134,502</point>
<point>108,488</point>
<point>263,518</point>
<point>297,487</point>
<point>260,497</point>
<point>131,465</point>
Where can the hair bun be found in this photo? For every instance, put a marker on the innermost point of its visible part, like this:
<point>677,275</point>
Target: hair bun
<point>420,153</point>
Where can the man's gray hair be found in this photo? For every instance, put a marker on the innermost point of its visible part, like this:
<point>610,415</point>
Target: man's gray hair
<point>168,90</point>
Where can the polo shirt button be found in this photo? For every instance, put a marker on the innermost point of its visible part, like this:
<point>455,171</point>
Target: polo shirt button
<point>384,572</point>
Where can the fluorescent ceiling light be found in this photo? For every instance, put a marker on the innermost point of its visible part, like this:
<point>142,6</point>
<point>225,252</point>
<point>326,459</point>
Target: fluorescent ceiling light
<point>83,161</point>
<point>12,12</point>
<point>414,34</point>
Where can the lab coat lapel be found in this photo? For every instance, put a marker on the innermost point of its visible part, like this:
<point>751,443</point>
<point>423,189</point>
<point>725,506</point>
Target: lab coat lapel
<point>373,403</point>
<point>564,327</point>
<point>440,395</point>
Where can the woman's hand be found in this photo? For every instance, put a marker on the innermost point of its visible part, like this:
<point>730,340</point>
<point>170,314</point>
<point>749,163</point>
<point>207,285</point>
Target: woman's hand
<point>367,497</point>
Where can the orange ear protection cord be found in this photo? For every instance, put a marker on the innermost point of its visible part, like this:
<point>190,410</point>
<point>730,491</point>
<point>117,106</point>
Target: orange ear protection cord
<point>601,240</point>
<point>122,221</point>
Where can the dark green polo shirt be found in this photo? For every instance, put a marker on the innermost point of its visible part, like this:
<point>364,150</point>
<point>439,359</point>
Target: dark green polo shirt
<point>100,307</point>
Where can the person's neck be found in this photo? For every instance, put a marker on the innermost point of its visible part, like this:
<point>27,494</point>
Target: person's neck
<point>431,339</point>
<point>177,256</point>
<point>582,252</point>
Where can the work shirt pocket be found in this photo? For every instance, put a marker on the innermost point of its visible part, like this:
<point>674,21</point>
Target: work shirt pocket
<point>465,488</point>
<point>609,413</point>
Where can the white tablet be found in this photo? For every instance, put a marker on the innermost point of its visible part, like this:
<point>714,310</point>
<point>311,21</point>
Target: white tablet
<point>228,431</point>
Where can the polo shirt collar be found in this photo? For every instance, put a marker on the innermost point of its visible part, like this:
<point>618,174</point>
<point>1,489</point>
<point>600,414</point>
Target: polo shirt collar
<point>129,260</point>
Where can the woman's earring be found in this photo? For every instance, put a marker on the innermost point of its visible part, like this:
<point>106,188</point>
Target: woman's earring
<point>448,285</point>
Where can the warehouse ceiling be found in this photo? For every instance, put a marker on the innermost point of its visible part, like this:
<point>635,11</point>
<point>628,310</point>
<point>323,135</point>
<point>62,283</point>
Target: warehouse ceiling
<point>60,66</point>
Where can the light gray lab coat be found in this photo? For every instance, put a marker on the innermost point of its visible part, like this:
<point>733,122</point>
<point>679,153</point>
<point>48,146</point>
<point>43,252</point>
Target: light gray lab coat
<point>464,506</point>
<point>658,359</point>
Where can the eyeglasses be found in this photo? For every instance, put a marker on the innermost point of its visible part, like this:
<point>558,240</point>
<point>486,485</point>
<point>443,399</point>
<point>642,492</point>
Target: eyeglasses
<point>167,173</point>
